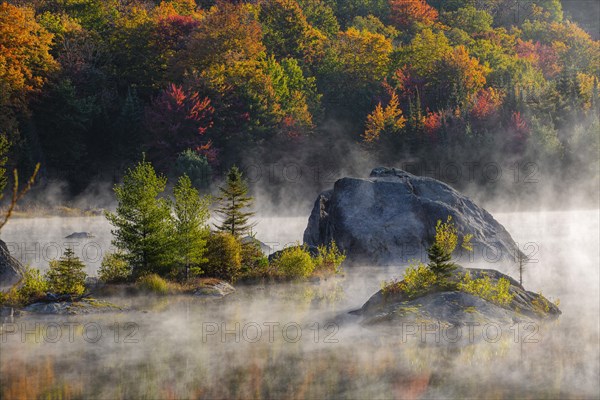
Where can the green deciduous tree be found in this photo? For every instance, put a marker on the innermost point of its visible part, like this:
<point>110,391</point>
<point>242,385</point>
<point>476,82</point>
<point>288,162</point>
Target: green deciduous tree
<point>320,15</point>
<point>142,221</point>
<point>224,253</point>
<point>354,65</point>
<point>286,31</point>
<point>469,19</point>
<point>114,268</point>
<point>374,25</point>
<point>233,202</point>
<point>191,218</point>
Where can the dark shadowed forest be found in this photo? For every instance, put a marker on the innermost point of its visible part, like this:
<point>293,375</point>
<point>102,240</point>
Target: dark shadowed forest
<point>474,93</point>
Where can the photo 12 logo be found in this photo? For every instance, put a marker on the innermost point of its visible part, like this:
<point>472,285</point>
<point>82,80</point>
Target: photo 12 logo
<point>69,332</point>
<point>470,332</point>
<point>269,332</point>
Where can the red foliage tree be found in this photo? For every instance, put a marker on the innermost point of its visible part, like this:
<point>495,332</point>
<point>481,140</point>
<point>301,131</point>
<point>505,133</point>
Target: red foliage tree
<point>432,123</point>
<point>486,103</point>
<point>173,32</point>
<point>540,55</point>
<point>178,119</point>
<point>518,133</point>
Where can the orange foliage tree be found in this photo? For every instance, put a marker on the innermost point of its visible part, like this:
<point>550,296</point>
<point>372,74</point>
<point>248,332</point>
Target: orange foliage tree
<point>388,119</point>
<point>461,75</point>
<point>229,33</point>
<point>405,13</point>
<point>486,103</point>
<point>25,60</point>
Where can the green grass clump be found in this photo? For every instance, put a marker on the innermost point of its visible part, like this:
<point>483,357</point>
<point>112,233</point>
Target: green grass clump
<point>483,287</point>
<point>329,259</point>
<point>540,305</point>
<point>153,284</point>
<point>418,279</point>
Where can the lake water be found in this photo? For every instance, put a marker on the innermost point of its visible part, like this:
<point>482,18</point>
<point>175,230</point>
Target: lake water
<point>288,341</point>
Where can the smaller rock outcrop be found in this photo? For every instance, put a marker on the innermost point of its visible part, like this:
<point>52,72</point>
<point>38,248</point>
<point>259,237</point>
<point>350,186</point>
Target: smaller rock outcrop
<point>11,270</point>
<point>457,308</point>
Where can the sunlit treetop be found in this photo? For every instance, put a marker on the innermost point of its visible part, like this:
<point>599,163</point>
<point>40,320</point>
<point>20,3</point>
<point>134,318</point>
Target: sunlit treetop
<point>25,58</point>
<point>405,14</point>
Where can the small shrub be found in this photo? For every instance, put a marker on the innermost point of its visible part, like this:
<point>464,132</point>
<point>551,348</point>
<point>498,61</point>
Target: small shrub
<point>446,236</point>
<point>224,254</point>
<point>417,279</point>
<point>114,268</point>
<point>12,298</point>
<point>254,263</point>
<point>484,288</point>
<point>153,284</point>
<point>540,304</point>
<point>329,259</point>
<point>34,285</point>
<point>295,262</point>
<point>66,275</point>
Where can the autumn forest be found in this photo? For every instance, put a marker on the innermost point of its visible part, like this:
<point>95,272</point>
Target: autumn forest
<point>86,86</point>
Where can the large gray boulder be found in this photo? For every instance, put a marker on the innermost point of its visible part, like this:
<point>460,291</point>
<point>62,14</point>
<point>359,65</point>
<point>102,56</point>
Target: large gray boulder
<point>390,217</point>
<point>11,270</point>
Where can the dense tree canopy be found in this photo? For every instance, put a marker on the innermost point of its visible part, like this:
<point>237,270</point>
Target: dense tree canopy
<point>86,86</point>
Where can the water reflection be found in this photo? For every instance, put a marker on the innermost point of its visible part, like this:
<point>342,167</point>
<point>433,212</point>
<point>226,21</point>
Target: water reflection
<point>183,347</point>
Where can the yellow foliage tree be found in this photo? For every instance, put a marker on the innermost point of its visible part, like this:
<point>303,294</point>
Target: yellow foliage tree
<point>388,119</point>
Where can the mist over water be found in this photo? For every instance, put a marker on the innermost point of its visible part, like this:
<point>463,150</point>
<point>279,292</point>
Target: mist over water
<point>36,241</point>
<point>296,340</point>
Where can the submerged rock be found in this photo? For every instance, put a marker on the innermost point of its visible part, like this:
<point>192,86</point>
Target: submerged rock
<point>80,235</point>
<point>457,308</point>
<point>390,218</point>
<point>82,306</point>
<point>11,270</point>
<point>266,249</point>
<point>213,288</point>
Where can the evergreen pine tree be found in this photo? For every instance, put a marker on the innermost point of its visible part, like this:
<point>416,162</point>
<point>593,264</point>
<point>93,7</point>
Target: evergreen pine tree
<point>191,217</point>
<point>439,261</point>
<point>233,201</point>
<point>143,222</point>
<point>66,275</point>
